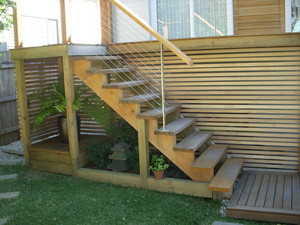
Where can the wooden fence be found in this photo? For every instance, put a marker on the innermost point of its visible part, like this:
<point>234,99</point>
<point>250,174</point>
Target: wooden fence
<point>9,128</point>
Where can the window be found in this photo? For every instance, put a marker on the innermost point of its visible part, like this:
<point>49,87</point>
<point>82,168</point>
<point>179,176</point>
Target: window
<point>194,18</point>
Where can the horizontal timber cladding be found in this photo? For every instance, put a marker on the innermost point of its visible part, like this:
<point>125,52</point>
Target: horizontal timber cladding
<point>39,74</point>
<point>249,98</point>
<point>259,17</point>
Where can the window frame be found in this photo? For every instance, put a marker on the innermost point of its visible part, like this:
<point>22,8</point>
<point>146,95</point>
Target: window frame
<point>153,18</point>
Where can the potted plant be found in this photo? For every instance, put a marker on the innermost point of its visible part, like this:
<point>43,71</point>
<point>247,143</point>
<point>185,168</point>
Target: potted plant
<point>53,101</point>
<point>158,165</point>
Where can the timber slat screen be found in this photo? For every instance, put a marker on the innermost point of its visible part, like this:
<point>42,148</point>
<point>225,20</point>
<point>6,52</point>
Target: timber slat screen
<point>39,74</point>
<point>249,98</point>
<point>9,128</point>
<point>259,17</point>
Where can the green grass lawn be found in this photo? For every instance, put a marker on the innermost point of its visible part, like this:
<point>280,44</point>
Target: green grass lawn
<point>47,198</point>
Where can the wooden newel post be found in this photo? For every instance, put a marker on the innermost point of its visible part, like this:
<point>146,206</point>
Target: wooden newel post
<point>106,22</point>
<point>143,152</point>
<point>17,25</point>
<point>23,108</point>
<point>71,114</point>
<point>65,21</point>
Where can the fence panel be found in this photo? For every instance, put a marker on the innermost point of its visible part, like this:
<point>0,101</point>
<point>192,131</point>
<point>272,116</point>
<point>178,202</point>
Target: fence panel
<point>9,128</point>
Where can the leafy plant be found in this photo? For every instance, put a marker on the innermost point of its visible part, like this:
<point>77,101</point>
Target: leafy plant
<point>99,153</point>
<point>53,101</point>
<point>5,16</point>
<point>121,131</point>
<point>133,157</point>
<point>158,163</point>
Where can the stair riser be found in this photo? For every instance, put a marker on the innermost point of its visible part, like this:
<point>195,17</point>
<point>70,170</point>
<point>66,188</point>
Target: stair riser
<point>142,89</point>
<point>203,147</point>
<point>124,76</point>
<point>220,163</point>
<point>141,102</point>
<point>207,174</point>
<point>106,64</point>
<point>170,117</point>
<point>203,175</point>
<point>186,132</point>
<point>153,103</point>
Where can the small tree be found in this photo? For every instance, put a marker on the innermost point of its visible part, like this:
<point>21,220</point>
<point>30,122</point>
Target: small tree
<point>5,16</point>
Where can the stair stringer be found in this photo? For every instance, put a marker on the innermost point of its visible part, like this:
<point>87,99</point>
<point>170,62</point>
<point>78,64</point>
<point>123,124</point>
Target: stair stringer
<point>109,96</point>
<point>165,143</point>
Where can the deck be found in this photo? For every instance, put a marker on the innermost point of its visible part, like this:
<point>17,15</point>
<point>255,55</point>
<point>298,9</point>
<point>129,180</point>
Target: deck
<point>269,197</point>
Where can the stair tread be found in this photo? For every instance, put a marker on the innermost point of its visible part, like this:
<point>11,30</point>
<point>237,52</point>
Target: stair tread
<point>114,70</point>
<point>193,141</point>
<point>100,57</point>
<point>125,84</point>
<point>226,176</point>
<point>157,113</point>
<point>140,98</point>
<point>210,157</point>
<point>176,126</point>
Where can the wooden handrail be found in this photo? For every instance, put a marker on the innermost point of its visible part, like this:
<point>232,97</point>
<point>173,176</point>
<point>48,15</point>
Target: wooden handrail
<point>160,38</point>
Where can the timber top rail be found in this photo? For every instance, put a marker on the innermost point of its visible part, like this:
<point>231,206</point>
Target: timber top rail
<point>149,29</point>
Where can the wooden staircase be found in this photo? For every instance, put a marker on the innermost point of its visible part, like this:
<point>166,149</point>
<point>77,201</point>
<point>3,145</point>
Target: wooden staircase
<point>181,143</point>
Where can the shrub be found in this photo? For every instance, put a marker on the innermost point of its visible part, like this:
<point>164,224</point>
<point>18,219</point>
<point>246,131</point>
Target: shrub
<point>134,159</point>
<point>121,131</point>
<point>98,153</point>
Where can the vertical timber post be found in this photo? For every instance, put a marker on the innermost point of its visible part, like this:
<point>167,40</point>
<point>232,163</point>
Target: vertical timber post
<point>71,114</point>
<point>143,152</point>
<point>23,108</point>
<point>65,21</point>
<point>18,25</point>
<point>106,22</point>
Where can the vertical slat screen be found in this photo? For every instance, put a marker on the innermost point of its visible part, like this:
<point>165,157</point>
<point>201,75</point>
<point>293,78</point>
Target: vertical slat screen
<point>249,98</point>
<point>9,128</point>
<point>40,73</point>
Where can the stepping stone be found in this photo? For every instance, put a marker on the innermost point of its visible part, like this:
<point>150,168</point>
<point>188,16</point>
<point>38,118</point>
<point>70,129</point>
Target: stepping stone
<point>8,177</point>
<point>223,223</point>
<point>14,152</point>
<point>3,221</point>
<point>9,195</point>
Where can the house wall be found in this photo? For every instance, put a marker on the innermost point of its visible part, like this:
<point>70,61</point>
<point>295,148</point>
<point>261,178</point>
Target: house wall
<point>259,17</point>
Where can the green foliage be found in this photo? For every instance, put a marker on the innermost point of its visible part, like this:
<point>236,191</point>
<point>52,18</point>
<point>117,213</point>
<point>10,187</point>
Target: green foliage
<point>99,153</point>
<point>98,110</point>
<point>5,15</point>
<point>121,131</point>
<point>158,163</point>
<point>53,101</point>
<point>133,157</point>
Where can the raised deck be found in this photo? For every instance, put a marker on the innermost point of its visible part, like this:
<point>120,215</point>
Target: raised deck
<point>268,197</point>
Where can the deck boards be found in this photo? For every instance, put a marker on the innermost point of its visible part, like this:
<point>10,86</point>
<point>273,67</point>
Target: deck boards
<point>269,197</point>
